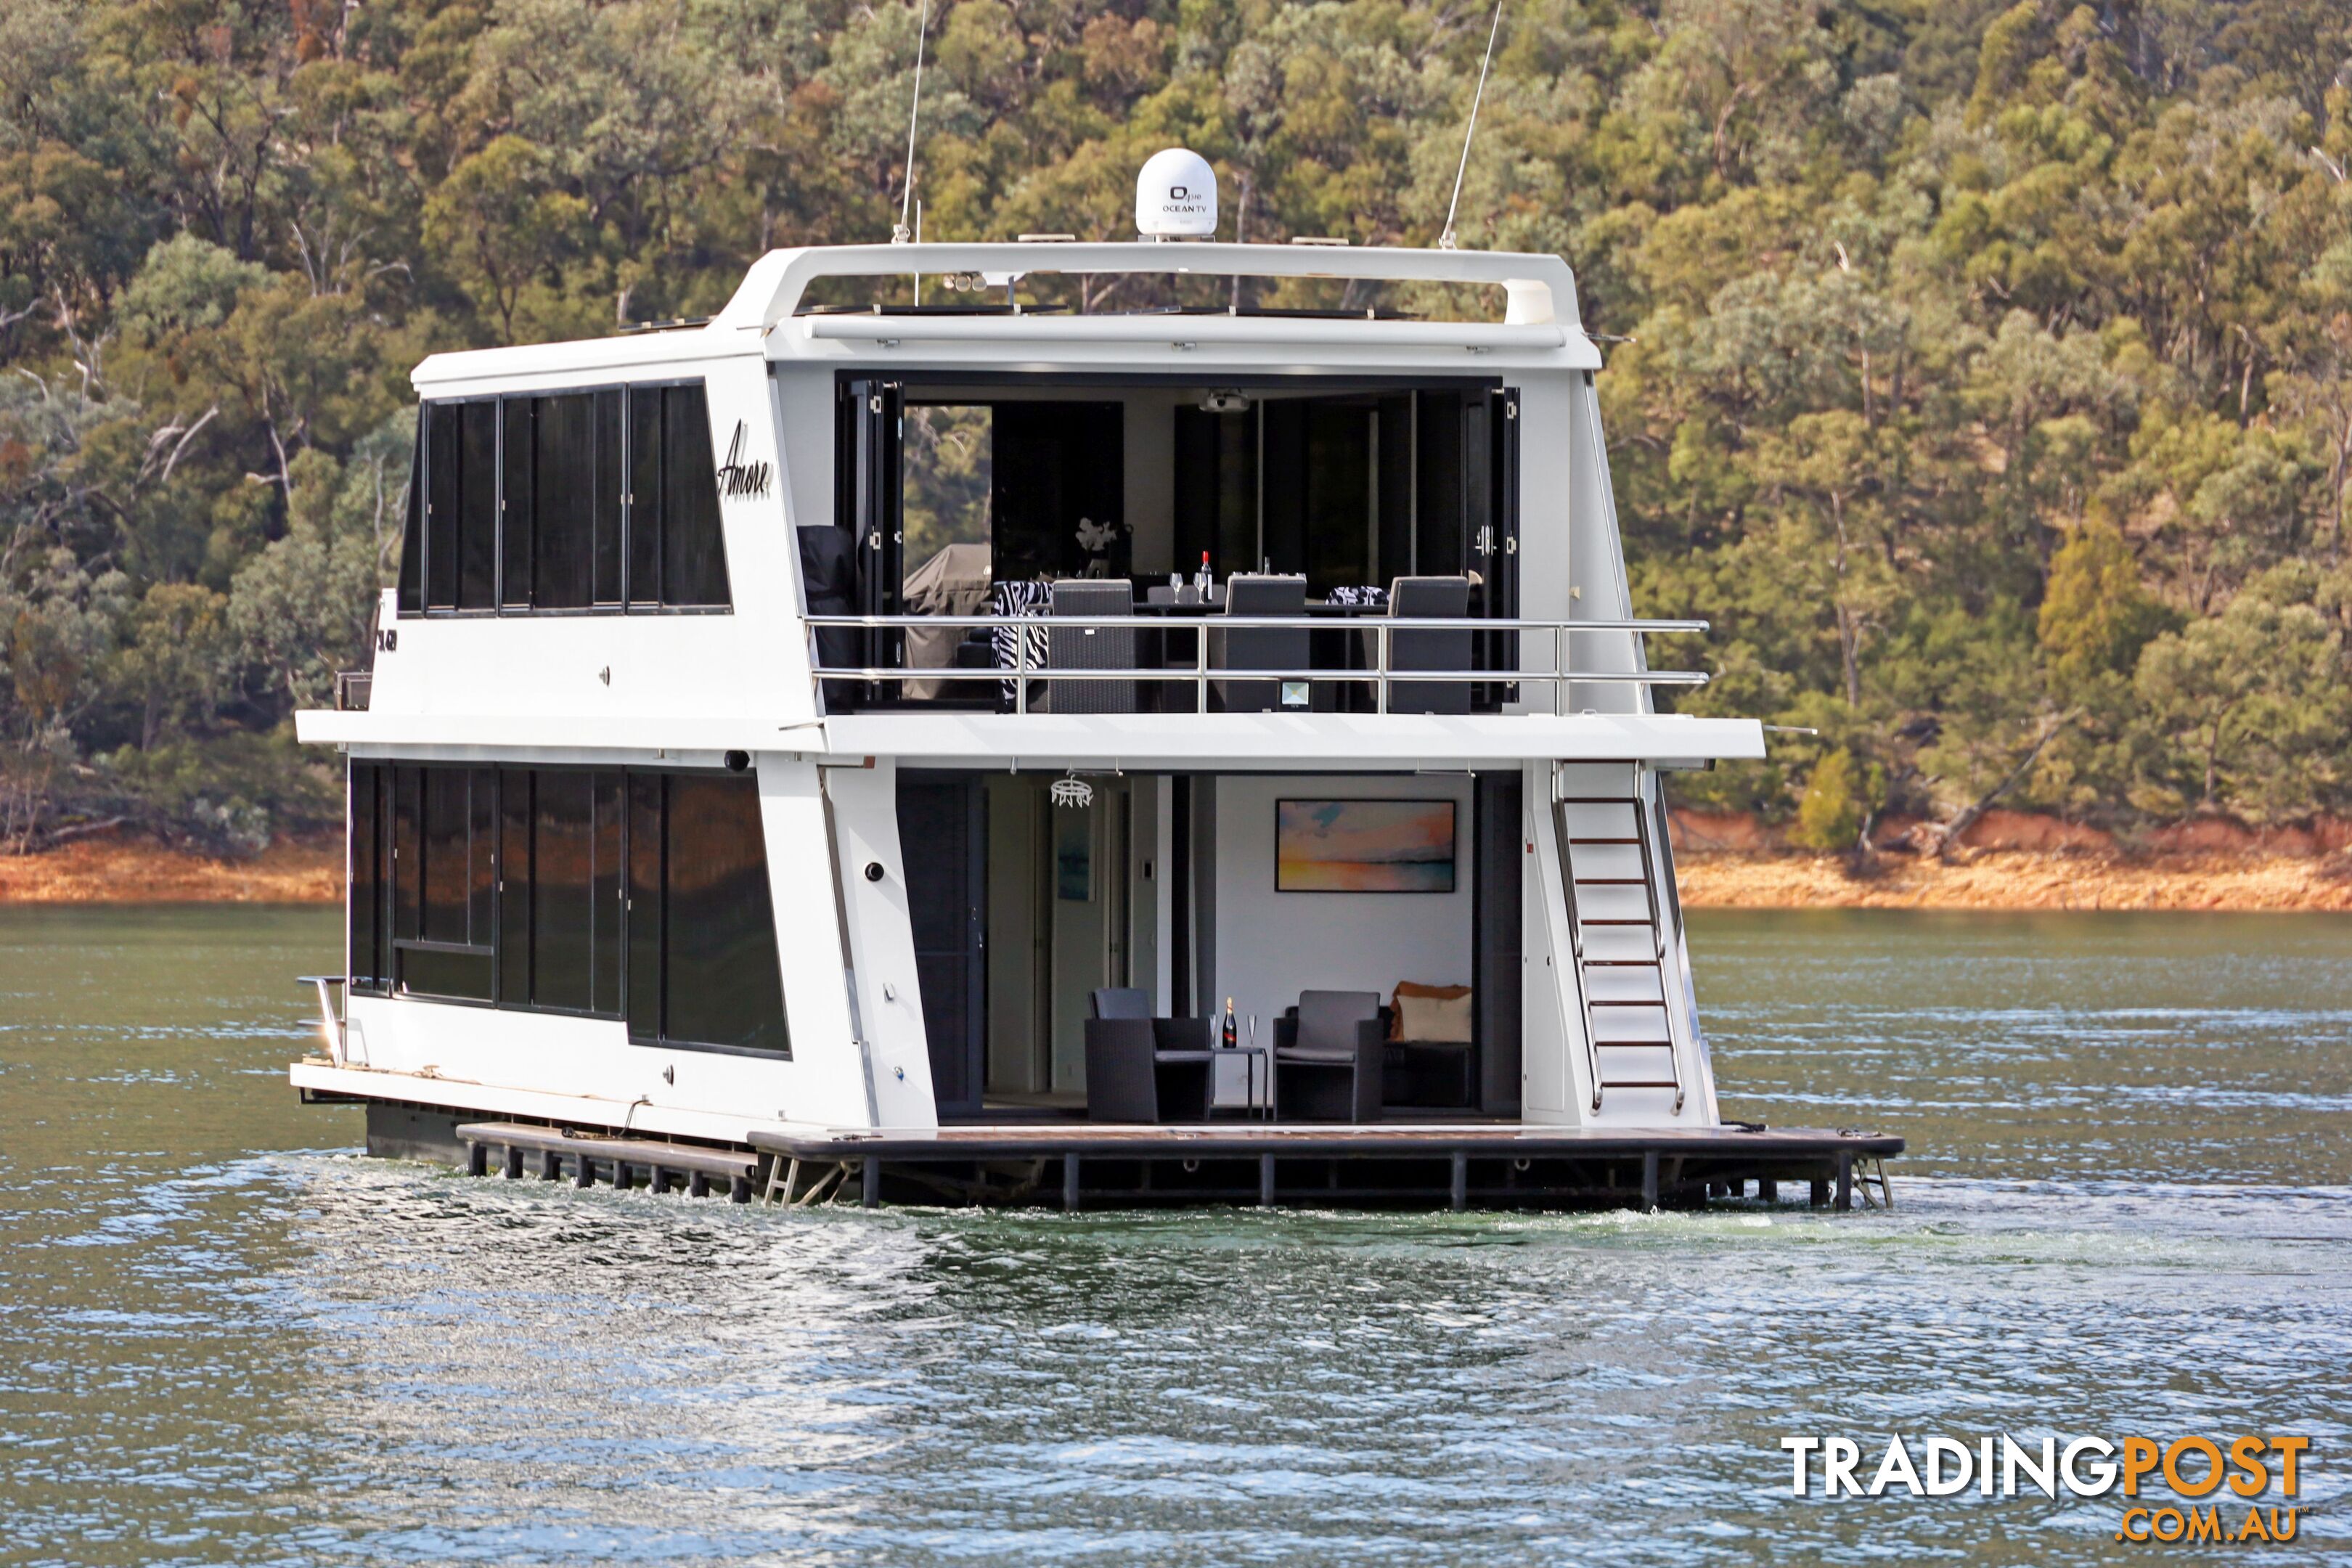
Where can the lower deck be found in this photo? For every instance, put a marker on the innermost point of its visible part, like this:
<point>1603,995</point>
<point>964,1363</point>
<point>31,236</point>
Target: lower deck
<point>1459,1165</point>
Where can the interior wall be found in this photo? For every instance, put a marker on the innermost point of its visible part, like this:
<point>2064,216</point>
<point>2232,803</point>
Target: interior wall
<point>1015,937</point>
<point>1090,934</point>
<point>1150,438</point>
<point>1270,946</point>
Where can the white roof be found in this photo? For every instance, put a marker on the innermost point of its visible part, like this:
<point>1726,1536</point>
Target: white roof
<point>1540,327</point>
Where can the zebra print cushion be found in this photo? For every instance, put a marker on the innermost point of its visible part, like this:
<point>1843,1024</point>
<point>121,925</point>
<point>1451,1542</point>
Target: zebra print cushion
<point>1027,598</point>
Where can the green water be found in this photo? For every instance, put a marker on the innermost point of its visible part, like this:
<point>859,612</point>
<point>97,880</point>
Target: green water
<point>226,1339</point>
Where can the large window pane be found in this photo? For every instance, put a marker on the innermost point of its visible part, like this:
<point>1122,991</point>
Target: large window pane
<point>408,852</point>
<point>412,534</point>
<point>482,857</point>
<point>477,524</point>
<point>456,882</point>
<point>644,495</point>
<point>694,558</point>
<point>565,557</point>
<point>444,469</point>
<point>563,891</point>
<point>365,895</point>
<point>945,464</point>
<point>722,983</point>
<point>611,893</point>
<point>515,503</point>
<point>444,972</point>
<point>515,876</point>
<point>446,875</point>
<point>645,907</point>
<point>609,510</point>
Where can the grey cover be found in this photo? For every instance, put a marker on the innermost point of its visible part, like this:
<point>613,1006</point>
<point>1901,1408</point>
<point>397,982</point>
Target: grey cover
<point>955,582</point>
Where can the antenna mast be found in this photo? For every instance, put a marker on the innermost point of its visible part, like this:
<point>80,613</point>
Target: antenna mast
<point>1444,240</point>
<point>902,233</point>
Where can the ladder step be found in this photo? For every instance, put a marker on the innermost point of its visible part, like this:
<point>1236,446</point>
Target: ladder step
<point>1643,1083</point>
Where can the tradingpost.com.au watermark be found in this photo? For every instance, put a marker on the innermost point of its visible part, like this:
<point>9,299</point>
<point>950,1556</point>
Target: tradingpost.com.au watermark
<point>2238,1474</point>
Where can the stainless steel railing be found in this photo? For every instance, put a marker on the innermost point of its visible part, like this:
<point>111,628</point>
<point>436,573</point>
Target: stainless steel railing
<point>334,1001</point>
<point>1380,673</point>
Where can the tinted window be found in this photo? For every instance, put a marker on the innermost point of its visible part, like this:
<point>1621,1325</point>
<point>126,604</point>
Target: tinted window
<point>444,468</point>
<point>608,493</point>
<point>366,889</point>
<point>516,515</point>
<point>515,880</point>
<point>694,560</point>
<point>444,875</point>
<point>722,983</point>
<point>565,518</point>
<point>570,890</point>
<point>575,891</point>
<point>644,902</point>
<point>566,502</point>
<point>408,851</point>
<point>644,496</point>
<point>563,892</point>
<point>456,880</point>
<point>611,889</point>
<point>477,518</point>
<point>411,536</point>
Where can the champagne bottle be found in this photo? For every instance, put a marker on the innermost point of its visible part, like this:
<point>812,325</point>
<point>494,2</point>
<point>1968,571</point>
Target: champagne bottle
<point>1230,1040</point>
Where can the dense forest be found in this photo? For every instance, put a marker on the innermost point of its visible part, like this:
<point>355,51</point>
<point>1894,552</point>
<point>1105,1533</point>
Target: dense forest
<point>1983,370</point>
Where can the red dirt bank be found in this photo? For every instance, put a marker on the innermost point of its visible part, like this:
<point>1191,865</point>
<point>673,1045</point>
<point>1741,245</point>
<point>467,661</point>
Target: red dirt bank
<point>2009,860</point>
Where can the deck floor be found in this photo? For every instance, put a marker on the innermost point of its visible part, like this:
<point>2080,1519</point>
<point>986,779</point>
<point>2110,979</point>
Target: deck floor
<point>1321,1139</point>
<point>1458,1164</point>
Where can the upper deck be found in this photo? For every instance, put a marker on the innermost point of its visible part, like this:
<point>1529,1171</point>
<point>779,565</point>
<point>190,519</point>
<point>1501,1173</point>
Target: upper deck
<point>743,534</point>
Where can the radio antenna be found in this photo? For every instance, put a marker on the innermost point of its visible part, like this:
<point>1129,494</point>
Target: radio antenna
<point>902,233</point>
<point>1445,240</point>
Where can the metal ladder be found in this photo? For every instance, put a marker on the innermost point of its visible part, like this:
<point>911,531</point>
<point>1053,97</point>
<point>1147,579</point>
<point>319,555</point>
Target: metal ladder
<point>1620,936</point>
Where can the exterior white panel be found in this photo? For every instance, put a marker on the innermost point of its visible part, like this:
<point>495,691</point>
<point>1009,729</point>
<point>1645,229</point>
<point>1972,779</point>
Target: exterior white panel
<point>827,1081</point>
<point>1551,1038</point>
<point>474,1043</point>
<point>864,802</point>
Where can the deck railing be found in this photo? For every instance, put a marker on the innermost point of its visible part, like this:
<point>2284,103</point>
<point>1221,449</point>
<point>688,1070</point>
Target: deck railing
<point>1380,672</point>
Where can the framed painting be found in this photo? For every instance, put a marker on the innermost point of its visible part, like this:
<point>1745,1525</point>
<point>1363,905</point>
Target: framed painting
<point>1363,847</point>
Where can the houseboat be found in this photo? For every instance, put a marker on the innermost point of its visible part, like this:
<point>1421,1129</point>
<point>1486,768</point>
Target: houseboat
<point>1071,722</point>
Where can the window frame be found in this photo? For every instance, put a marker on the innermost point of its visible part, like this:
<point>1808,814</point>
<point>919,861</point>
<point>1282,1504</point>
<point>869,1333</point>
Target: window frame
<point>422,468</point>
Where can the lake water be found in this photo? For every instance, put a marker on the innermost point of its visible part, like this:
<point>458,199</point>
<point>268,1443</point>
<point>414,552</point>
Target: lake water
<point>226,1339</point>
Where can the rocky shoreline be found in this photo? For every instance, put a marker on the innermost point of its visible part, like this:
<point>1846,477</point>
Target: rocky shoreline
<point>2016,880</point>
<point>116,870</point>
<point>2304,873</point>
<point>2019,860</point>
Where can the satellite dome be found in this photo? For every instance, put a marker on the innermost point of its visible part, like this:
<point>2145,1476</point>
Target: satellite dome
<point>1176,196</point>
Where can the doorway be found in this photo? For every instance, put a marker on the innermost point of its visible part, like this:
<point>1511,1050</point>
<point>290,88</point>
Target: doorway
<point>1062,923</point>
